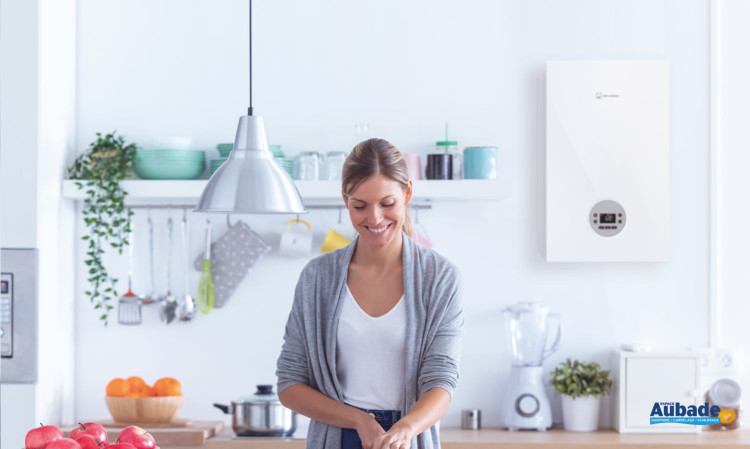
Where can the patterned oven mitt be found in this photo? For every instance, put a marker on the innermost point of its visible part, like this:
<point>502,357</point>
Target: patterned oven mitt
<point>232,256</point>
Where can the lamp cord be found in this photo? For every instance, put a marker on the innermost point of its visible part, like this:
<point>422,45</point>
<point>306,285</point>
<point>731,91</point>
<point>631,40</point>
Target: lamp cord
<point>250,108</point>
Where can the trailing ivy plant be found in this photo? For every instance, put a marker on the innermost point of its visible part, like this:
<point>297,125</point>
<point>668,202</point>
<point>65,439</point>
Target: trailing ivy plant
<point>580,379</point>
<point>107,161</point>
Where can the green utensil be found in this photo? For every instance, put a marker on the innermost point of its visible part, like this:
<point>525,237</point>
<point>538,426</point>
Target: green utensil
<point>205,300</point>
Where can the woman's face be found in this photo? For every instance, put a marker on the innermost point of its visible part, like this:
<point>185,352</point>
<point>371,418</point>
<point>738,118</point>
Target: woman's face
<point>378,209</point>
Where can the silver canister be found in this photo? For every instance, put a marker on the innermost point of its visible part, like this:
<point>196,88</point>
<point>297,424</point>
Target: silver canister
<point>471,419</point>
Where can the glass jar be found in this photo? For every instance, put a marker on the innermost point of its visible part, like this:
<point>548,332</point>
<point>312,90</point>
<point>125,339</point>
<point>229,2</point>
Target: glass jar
<point>451,147</point>
<point>307,166</point>
<point>334,165</point>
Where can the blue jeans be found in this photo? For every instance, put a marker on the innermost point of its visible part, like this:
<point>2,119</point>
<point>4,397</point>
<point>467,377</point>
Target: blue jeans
<point>386,419</point>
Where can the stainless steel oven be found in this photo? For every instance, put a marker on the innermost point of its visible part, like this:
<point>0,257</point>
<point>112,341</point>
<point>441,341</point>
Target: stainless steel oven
<point>18,315</point>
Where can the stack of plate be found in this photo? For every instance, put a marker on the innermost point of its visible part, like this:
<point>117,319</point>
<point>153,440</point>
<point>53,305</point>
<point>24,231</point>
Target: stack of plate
<point>224,149</point>
<point>169,164</point>
<point>286,164</point>
<point>216,163</point>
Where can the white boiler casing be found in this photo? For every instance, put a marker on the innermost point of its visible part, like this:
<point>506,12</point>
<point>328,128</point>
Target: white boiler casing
<point>604,170</point>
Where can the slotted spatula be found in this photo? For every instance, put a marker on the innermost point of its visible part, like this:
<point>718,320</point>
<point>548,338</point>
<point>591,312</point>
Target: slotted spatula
<point>129,305</point>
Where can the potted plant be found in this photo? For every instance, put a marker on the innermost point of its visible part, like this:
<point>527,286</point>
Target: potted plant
<point>581,385</point>
<point>107,162</point>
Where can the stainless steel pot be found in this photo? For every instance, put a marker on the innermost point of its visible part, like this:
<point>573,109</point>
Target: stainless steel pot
<point>261,415</point>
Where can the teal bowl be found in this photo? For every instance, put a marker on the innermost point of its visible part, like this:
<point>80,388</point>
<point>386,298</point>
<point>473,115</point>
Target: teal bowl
<point>174,170</point>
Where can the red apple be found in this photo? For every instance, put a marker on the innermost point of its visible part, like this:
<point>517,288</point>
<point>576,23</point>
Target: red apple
<point>90,428</point>
<point>120,446</point>
<point>42,436</point>
<point>63,443</point>
<point>136,436</point>
<point>89,442</point>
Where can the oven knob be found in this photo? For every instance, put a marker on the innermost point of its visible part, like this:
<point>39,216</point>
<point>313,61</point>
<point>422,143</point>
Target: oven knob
<point>527,405</point>
<point>2,331</point>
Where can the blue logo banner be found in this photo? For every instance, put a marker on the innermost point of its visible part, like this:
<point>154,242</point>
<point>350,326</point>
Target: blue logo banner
<point>700,421</point>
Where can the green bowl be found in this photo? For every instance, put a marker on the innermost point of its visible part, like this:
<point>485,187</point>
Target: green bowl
<point>172,170</point>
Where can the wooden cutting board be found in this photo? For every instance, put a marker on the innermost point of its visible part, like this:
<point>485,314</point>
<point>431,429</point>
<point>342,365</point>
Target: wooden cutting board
<point>181,432</point>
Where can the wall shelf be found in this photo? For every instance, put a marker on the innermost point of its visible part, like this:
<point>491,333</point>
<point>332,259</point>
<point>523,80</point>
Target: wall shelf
<point>313,192</point>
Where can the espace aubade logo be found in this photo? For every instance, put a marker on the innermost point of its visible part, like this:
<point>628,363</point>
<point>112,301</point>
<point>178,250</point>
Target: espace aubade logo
<point>671,412</point>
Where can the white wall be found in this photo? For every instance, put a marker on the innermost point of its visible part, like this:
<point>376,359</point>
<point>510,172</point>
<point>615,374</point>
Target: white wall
<point>37,109</point>
<point>733,246</point>
<point>155,69</point>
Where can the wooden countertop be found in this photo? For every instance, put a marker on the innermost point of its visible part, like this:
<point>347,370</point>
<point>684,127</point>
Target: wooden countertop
<point>489,438</point>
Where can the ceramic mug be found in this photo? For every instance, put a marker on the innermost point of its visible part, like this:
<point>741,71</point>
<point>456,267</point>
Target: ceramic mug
<point>480,163</point>
<point>296,241</point>
<point>413,165</point>
<point>333,241</point>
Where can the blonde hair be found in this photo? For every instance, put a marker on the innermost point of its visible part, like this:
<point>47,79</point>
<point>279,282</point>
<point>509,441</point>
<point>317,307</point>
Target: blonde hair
<point>372,157</point>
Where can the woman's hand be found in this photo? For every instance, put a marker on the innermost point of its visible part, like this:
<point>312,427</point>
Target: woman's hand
<point>369,430</point>
<point>399,437</point>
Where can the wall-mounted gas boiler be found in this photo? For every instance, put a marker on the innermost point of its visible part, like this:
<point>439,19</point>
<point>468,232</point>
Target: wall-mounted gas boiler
<point>604,165</point>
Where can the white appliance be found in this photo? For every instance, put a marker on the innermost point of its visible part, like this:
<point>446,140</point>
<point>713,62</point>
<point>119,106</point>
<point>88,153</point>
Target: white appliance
<point>641,379</point>
<point>604,171</point>
<point>525,404</point>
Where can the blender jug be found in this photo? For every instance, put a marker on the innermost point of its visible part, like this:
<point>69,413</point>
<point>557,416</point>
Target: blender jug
<point>528,325</point>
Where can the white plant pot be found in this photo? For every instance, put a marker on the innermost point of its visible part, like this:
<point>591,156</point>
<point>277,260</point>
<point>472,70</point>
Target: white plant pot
<point>580,414</point>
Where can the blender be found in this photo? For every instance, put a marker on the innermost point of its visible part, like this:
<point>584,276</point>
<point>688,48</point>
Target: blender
<point>525,404</point>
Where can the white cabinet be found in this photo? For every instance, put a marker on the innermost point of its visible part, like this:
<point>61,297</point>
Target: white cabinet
<point>642,379</point>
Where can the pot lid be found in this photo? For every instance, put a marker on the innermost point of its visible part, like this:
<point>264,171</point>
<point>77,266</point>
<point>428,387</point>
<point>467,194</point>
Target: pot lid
<point>264,394</point>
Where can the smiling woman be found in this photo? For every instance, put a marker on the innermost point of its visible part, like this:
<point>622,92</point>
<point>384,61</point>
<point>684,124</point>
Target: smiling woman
<point>372,342</point>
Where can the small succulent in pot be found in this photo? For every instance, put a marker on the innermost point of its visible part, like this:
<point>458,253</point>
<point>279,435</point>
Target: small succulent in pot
<point>575,379</point>
<point>581,385</point>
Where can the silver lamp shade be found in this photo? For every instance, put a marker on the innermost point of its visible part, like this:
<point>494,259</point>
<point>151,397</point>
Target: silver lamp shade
<point>250,182</point>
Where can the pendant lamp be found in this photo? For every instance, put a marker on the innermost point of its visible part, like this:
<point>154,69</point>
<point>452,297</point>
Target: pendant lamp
<point>250,182</point>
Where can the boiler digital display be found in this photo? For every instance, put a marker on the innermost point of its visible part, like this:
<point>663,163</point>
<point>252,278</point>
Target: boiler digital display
<point>3,287</point>
<point>607,218</point>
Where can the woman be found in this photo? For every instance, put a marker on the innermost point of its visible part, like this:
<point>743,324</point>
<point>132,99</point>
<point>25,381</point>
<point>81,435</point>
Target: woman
<point>371,346</point>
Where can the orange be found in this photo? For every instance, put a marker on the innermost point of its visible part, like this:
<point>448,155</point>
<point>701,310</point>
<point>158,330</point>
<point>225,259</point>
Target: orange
<point>136,383</point>
<point>168,386</point>
<point>132,395</point>
<point>143,391</point>
<point>118,387</point>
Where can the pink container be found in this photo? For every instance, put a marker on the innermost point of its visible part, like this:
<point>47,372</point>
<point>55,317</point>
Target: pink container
<point>413,165</point>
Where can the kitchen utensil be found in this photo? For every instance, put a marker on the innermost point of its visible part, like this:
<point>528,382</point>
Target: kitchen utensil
<point>525,405</point>
<point>129,305</point>
<point>480,162</point>
<point>151,297</point>
<point>186,307</point>
<point>295,241</point>
<point>439,166</point>
<point>168,304</point>
<point>413,165</point>
<point>307,166</point>
<point>206,284</point>
<point>260,414</point>
<point>232,256</point>
<point>333,166</point>
<point>144,410</point>
<point>419,233</point>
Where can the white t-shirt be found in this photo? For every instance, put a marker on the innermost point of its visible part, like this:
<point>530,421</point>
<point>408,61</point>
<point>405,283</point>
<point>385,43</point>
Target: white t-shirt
<point>370,356</point>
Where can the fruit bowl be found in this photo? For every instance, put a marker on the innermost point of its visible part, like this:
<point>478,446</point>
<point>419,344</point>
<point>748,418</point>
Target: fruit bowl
<point>144,410</point>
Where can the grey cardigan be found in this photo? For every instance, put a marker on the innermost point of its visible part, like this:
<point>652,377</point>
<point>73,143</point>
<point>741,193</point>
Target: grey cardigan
<point>434,313</point>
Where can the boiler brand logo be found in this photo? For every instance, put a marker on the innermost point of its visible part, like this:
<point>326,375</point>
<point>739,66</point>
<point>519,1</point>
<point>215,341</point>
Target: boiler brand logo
<point>670,412</point>
<point>600,95</point>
